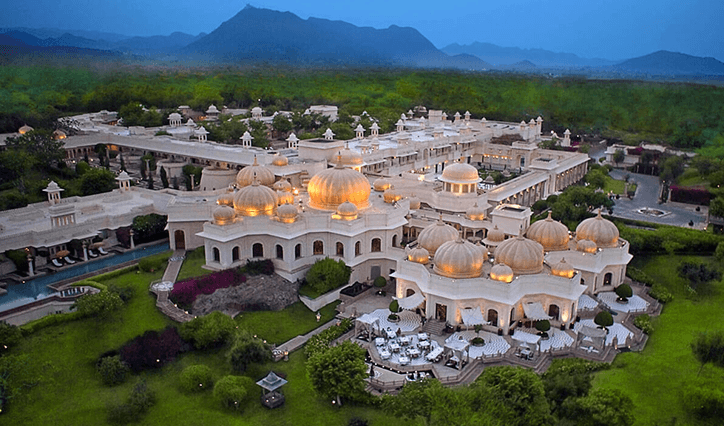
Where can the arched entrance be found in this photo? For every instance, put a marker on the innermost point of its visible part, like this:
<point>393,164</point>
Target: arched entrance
<point>409,292</point>
<point>607,279</point>
<point>440,312</point>
<point>554,311</point>
<point>179,238</point>
<point>493,317</point>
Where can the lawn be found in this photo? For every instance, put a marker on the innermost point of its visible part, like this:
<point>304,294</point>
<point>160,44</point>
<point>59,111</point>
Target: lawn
<point>192,266</point>
<point>654,378</point>
<point>278,327</point>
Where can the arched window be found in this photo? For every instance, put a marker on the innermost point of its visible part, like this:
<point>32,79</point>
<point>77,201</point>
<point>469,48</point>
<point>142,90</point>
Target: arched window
<point>217,255</point>
<point>257,250</point>
<point>512,316</point>
<point>394,240</point>
<point>493,317</point>
<point>607,278</point>
<point>357,248</point>
<point>297,251</point>
<point>409,292</point>
<point>318,247</point>
<point>340,249</point>
<point>280,252</point>
<point>376,245</point>
<point>235,254</point>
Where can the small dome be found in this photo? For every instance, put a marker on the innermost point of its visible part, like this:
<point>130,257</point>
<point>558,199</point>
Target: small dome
<point>391,195</point>
<point>246,175</point>
<point>226,199</point>
<point>552,235</point>
<point>563,269</point>
<point>284,197</point>
<point>435,235</point>
<point>347,211</point>
<point>287,213</point>
<point>524,256</point>
<point>495,235</point>
<point>332,187</point>
<point>282,185</point>
<point>458,259</point>
<point>586,246</point>
<point>280,160</point>
<point>599,230</point>
<point>414,203</point>
<point>25,129</point>
<point>224,215</point>
<point>419,255</point>
<point>381,185</point>
<point>348,157</point>
<point>475,212</point>
<point>501,272</point>
<point>255,200</point>
<point>59,134</point>
<point>460,173</point>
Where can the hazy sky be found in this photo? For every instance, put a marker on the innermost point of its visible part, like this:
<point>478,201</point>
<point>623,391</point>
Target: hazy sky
<point>613,29</point>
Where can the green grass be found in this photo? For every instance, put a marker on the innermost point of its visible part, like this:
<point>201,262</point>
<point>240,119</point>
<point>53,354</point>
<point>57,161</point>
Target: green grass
<point>613,185</point>
<point>192,266</point>
<point>278,327</point>
<point>655,377</point>
<point>691,177</point>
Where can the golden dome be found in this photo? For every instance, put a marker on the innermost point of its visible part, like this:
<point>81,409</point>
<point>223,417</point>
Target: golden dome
<point>224,215</point>
<point>563,269</point>
<point>599,230</point>
<point>280,160</point>
<point>282,185</point>
<point>246,175</point>
<point>391,195</point>
<point>418,255</point>
<point>524,256</point>
<point>347,211</point>
<point>475,212</point>
<point>586,246</point>
<point>287,213</point>
<point>435,235</point>
<point>552,235</point>
<point>414,203</point>
<point>332,187</point>
<point>226,199</point>
<point>381,184</point>
<point>501,272</point>
<point>255,200</point>
<point>284,198</point>
<point>59,134</point>
<point>495,235</point>
<point>25,129</point>
<point>458,259</point>
<point>348,157</point>
<point>460,173</point>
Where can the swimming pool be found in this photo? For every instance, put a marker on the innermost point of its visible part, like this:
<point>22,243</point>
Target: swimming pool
<point>35,289</point>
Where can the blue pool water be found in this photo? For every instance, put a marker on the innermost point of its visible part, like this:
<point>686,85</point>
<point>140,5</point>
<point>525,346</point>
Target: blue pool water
<point>20,294</point>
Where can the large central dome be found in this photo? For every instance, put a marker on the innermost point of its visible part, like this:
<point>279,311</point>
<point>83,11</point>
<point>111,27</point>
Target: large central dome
<point>524,256</point>
<point>599,230</point>
<point>255,200</point>
<point>459,259</point>
<point>550,234</point>
<point>332,187</point>
<point>460,173</point>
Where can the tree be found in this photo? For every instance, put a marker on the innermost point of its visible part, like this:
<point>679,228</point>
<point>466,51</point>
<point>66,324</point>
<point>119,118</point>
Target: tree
<point>209,330</point>
<point>568,378</point>
<point>246,349</point>
<point>708,347</point>
<point>259,131</point>
<point>102,304</point>
<point>543,326</point>
<point>619,156</point>
<point>327,274</point>
<point>149,227</point>
<point>9,336</point>
<point>164,177</point>
<point>16,376</point>
<point>232,391</point>
<point>189,170</point>
<point>698,274</point>
<point>601,407</point>
<point>716,207</point>
<point>339,372</point>
<point>40,145</point>
<point>196,378</point>
<point>281,124</point>
<point>112,370</point>
<point>624,291</point>
<point>719,252</point>
<point>96,181</point>
<point>416,400</point>
<point>596,178</point>
<point>672,168</point>
<point>603,319</point>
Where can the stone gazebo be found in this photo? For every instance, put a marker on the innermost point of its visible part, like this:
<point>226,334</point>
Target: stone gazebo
<point>272,398</point>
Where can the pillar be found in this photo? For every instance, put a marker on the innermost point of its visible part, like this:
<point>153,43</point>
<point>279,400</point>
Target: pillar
<point>133,244</point>
<point>31,270</point>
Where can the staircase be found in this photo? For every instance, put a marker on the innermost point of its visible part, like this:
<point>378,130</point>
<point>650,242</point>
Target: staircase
<point>433,326</point>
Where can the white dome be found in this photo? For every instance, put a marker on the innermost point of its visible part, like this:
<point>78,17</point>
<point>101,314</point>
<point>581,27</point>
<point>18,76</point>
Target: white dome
<point>418,255</point>
<point>501,272</point>
<point>435,235</point>
<point>282,185</point>
<point>458,259</point>
<point>224,215</point>
<point>475,212</point>
<point>255,200</point>
<point>524,256</point>
<point>287,213</point>
<point>332,187</point>
<point>347,211</point>
<point>460,173</point>
<point>552,235</point>
<point>599,230</point>
<point>246,175</point>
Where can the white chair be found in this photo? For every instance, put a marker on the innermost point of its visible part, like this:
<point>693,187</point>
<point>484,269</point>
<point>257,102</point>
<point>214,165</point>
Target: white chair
<point>57,263</point>
<point>68,260</point>
<point>101,251</point>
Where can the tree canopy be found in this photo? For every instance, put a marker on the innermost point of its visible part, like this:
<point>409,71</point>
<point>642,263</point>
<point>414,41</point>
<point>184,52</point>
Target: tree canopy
<point>339,372</point>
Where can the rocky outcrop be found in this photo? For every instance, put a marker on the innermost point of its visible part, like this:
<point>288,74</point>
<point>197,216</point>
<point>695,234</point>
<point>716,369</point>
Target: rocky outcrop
<point>260,292</point>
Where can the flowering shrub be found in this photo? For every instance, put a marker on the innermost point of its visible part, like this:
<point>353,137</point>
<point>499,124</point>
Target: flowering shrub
<point>152,349</point>
<point>690,195</point>
<point>185,292</point>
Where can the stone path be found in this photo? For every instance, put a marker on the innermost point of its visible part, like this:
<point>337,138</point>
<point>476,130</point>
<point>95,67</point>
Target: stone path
<point>299,341</point>
<point>162,291</point>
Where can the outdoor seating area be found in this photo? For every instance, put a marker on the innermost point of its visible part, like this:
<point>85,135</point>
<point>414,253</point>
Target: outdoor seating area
<point>634,303</point>
<point>405,349</point>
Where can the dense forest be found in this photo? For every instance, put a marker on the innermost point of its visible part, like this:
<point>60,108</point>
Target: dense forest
<point>683,115</point>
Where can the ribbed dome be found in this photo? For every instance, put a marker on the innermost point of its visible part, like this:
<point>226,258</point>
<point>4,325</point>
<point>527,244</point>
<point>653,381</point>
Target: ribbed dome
<point>495,235</point>
<point>255,200</point>
<point>347,211</point>
<point>419,255</point>
<point>552,235</point>
<point>381,184</point>
<point>586,246</point>
<point>458,259</point>
<point>391,195</point>
<point>524,256</point>
<point>414,203</point>
<point>563,269</point>
<point>435,235</point>
<point>475,212</point>
<point>501,272</point>
<point>246,175</point>
<point>284,198</point>
<point>280,160</point>
<point>224,215</point>
<point>282,185</point>
<point>348,157</point>
<point>460,173</point>
<point>25,129</point>
<point>287,213</point>
<point>599,230</point>
<point>332,187</point>
<point>226,199</point>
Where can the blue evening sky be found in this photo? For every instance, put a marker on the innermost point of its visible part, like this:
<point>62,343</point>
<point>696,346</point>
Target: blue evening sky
<point>612,29</point>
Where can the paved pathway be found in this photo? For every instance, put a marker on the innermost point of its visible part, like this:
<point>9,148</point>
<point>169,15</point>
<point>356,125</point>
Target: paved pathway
<point>299,341</point>
<point>169,276</point>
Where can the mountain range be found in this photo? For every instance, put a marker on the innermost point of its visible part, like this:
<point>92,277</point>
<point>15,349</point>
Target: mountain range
<point>256,35</point>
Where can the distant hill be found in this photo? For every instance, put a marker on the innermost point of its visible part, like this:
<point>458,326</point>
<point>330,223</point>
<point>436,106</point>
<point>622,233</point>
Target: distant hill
<point>266,35</point>
<point>499,56</point>
<point>664,62</point>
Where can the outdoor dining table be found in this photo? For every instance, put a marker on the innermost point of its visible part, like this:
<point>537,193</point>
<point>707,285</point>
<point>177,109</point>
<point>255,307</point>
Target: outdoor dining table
<point>404,360</point>
<point>422,336</point>
<point>525,353</point>
<point>405,340</point>
<point>385,354</point>
<point>424,344</point>
<point>434,354</point>
<point>414,352</point>
<point>391,334</point>
<point>380,341</point>
<point>395,347</point>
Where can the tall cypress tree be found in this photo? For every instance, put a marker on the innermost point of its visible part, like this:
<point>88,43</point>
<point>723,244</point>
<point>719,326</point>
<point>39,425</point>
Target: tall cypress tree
<point>164,178</point>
